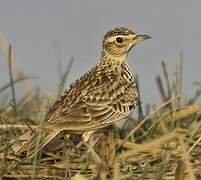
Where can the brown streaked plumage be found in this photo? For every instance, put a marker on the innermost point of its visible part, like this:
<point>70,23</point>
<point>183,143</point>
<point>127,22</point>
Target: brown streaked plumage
<point>105,94</point>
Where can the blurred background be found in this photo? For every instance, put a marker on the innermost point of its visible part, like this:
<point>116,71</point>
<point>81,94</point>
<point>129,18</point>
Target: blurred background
<point>43,32</point>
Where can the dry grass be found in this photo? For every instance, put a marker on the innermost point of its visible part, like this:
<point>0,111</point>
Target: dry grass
<point>164,143</point>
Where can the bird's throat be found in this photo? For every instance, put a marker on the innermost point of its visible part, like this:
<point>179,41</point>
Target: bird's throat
<point>115,59</point>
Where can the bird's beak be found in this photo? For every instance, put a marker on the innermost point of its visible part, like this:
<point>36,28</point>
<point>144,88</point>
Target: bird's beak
<point>141,37</point>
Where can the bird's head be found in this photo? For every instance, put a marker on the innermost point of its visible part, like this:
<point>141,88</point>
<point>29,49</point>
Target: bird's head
<point>119,41</point>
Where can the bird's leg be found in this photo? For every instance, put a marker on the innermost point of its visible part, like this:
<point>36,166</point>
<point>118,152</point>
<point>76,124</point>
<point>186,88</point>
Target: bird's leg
<point>100,170</point>
<point>105,154</point>
<point>87,135</point>
<point>90,140</point>
<point>69,141</point>
<point>107,149</point>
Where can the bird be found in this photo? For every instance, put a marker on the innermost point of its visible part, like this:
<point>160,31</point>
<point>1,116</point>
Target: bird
<point>102,96</point>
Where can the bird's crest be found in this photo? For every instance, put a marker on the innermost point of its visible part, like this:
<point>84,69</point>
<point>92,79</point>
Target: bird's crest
<point>118,31</point>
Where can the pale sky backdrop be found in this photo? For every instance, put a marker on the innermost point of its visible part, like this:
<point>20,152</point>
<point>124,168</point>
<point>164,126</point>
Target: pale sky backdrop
<point>78,26</point>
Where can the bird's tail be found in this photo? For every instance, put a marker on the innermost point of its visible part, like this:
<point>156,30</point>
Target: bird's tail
<point>37,142</point>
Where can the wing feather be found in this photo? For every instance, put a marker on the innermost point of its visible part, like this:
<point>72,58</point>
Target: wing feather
<point>97,99</point>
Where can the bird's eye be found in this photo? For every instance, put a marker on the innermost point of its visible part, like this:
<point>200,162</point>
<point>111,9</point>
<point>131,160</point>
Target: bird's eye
<point>119,39</point>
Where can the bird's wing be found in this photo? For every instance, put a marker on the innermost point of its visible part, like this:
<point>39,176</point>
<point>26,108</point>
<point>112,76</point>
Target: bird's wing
<point>102,103</point>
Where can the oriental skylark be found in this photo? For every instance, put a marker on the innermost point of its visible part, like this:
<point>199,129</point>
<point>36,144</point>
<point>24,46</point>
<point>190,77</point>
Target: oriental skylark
<point>105,94</point>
